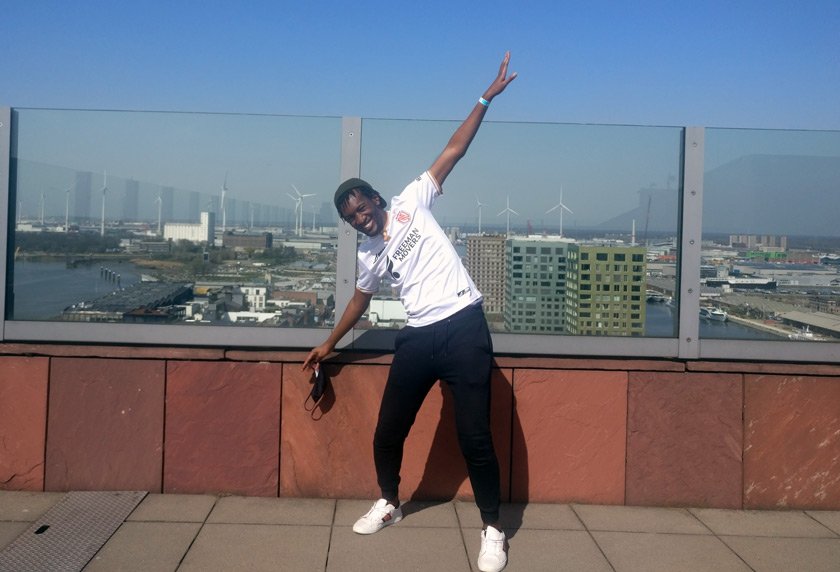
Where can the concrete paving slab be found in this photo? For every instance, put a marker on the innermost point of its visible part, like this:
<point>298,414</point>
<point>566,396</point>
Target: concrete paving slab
<point>261,510</point>
<point>639,519</point>
<point>548,550</point>
<point>514,516</point>
<point>416,514</point>
<point>250,533</point>
<point>761,523</point>
<point>24,506</point>
<point>145,547</point>
<point>69,534</point>
<point>829,518</point>
<point>407,549</point>
<point>786,554</point>
<point>655,552</point>
<point>257,548</point>
<point>423,514</point>
<point>9,531</point>
<point>173,508</point>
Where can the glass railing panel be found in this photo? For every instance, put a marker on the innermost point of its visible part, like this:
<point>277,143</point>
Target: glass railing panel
<point>173,218</point>
<point>565,229</point>
<point>771,243</point>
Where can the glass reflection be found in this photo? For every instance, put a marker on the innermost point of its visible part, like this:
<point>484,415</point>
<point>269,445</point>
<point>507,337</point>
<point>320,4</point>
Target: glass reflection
<point>771,248</point>
<point>531,203</point>
<point>174,218</point>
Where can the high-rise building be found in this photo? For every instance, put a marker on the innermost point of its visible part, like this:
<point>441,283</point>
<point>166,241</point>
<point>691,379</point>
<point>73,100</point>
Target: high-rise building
<point>194,205</point>
<point>81,196</point>
<point>131,200</point>
<point>485,262</point>
<point>754,242</point>
<point>230,212</point>
<point>327,215</point>
<point>211,203</point>
<point>167,195</point>
<point>605,290</point>
<point>535,273</point>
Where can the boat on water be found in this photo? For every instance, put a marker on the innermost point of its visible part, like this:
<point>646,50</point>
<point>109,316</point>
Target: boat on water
<point>803,334</point>
<point>714,314</point>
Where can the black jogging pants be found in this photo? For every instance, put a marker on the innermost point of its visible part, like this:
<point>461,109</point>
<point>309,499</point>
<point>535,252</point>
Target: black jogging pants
<point>458,351</point>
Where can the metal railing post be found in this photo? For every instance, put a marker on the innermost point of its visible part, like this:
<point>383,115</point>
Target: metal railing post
<point>691,233</point>
<point>5,181</point>
<point>351,160</point>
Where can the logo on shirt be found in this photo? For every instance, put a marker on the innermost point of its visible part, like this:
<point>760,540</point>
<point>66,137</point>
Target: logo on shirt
<point>407,245</point>
<point>402,217</point>
<point>390,266</point>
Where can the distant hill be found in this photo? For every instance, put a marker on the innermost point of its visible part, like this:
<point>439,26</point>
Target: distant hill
<point>663,213</point>
<point>755,194</point>
<point>774,194</point>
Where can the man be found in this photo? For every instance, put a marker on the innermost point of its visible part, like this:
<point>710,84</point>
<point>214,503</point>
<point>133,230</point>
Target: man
<point>446,335</point>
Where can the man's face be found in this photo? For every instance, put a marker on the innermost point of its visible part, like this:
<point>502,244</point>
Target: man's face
<point>364,214</point>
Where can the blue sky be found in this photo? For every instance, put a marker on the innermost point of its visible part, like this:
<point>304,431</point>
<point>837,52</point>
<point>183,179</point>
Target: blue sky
<point>766,64</point>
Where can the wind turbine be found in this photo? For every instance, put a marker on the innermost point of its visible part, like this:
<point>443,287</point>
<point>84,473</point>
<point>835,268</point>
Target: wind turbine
<point>222,205</point>
<point>562,207</point>
<point>509,211</point>
<point>67,210</point>
<point>159,201</point>
<point>104,192</point>
<point>479,204</point>
<point>299,208</point>
<point>298,205</point>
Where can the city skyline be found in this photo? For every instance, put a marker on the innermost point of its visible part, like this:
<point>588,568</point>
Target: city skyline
<point>42,192</point>
<point>602,169</point>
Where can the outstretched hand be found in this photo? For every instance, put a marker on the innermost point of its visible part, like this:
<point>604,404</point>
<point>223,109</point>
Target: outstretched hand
<point>502,80</point>
<point>316,356</point>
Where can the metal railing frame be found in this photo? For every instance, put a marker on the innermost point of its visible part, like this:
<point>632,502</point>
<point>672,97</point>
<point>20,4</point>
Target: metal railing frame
<point>687,345</point>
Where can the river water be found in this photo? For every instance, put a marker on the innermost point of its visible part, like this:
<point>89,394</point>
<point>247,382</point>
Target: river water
<point>44,289</point>
<point>662,319</point>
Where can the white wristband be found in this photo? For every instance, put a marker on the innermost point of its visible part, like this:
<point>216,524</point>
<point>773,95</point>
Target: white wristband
<point>483,102</point>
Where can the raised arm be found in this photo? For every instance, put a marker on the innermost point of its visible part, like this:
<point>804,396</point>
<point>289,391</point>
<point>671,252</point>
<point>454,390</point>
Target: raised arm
<point>463,136</point>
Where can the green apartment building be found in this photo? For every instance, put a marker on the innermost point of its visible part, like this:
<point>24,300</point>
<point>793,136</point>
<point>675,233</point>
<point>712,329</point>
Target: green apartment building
<point>605,290</point>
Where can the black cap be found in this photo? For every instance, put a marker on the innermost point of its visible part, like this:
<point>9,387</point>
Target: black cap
<point>351,184</point>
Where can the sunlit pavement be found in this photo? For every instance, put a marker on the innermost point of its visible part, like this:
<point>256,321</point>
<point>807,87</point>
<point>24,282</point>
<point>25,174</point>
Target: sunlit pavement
<point>206,533</point>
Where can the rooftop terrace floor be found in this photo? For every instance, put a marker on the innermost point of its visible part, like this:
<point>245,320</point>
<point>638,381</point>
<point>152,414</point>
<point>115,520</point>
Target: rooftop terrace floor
<point>205,532</point>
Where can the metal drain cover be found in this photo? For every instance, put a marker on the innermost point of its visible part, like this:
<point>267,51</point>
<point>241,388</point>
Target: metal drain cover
<point>68,535</point>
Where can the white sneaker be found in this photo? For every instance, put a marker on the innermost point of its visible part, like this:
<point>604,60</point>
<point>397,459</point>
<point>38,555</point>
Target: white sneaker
<point>381,514</point>
<point>492,557</point>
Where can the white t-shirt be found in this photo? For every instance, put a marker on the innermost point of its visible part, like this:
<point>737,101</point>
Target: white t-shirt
<point>418,259</point>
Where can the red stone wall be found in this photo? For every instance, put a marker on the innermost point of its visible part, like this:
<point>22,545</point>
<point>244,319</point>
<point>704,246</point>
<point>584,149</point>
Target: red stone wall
<point>105,424</point>
<point>23,422</point>
<point>636,432</point>
<point>685,439</point>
